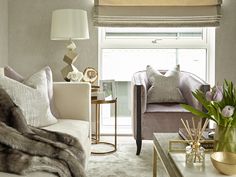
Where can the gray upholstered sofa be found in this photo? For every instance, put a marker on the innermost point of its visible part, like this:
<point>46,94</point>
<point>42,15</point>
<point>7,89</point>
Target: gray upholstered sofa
<point>161,117</point>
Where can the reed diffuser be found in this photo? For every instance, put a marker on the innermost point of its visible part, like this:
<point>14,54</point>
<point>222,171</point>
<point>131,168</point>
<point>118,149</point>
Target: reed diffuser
<point>195,153</point>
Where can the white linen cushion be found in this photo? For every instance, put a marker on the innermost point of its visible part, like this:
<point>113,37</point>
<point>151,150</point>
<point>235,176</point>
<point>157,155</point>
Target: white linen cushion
<point>11,73</point>
<point>31,97</point>
<point>164,88</point>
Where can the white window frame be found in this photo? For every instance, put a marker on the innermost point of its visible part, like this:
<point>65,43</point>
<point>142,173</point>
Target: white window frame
<point>208,42</point>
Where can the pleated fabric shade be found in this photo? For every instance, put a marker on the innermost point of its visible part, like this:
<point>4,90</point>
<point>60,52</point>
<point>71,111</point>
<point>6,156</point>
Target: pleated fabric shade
<point>157,13</point>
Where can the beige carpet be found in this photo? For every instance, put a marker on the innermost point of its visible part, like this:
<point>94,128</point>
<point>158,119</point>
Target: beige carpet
<point>124,162</point>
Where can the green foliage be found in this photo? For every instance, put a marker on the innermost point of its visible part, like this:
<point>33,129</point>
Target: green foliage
<point>213,108</point>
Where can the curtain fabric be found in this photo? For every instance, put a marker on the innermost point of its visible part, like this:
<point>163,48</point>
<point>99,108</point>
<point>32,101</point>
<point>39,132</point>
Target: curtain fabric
<point>157,13</point>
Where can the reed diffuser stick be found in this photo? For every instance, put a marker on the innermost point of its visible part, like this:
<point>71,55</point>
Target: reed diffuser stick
<point>193,122</point>
<point>203,128</point>
<point>188,131</point>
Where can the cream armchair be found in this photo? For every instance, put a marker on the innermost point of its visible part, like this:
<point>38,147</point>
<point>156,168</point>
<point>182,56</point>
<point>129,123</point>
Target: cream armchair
<point>73,101</point>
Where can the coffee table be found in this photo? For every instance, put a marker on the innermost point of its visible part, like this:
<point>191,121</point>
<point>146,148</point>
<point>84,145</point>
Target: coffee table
<point>174,162</point>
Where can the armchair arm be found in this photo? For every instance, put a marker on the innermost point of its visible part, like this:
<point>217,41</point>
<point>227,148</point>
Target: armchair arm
<point>73,100</point>
<point>190,83</point>
<point>139,100</point>
<point>139,81</point>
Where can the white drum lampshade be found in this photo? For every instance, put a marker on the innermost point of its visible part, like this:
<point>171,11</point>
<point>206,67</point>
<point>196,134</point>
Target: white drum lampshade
<point>69,24</point>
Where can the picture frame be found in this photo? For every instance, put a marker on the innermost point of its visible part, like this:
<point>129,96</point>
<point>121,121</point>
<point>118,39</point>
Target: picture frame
<point>108,87</point>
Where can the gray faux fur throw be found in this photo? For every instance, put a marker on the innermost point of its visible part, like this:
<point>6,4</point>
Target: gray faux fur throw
<point>25,149</point>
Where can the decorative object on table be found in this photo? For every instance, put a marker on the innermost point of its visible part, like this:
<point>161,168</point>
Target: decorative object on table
<point>108,87</point>
<point>90,75</point>
<point>69,25</point>
<point>219,104</point>
<point>74,76</point>
<point>206,141</point>
<point>224,162</point>
<point>195,153</point>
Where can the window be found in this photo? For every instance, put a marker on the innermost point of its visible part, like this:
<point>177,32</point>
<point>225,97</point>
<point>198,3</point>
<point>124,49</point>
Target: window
<point>163,34</point>
<point>124,51</point>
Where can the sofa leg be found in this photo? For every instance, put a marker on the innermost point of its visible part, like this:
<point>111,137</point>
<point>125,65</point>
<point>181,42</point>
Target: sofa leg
<point>139,146</point>
<point>139,126</point>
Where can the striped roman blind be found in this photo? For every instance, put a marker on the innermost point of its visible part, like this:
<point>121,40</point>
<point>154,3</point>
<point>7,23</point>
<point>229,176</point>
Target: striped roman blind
<point>157,13</point>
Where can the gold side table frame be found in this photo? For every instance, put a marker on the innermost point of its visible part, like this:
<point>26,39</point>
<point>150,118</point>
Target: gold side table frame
<point>98,104</point>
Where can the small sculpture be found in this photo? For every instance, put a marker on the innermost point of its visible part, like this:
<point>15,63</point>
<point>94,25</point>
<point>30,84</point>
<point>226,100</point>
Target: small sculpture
<point>70,58</point>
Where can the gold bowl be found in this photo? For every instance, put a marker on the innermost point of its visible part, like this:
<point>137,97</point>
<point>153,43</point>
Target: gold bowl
<point>224,162</point>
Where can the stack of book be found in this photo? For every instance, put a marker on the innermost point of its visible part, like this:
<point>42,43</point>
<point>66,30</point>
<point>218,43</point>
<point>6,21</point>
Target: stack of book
<point>205,136</point>
<point>94,91</point>
<point>96,94</point>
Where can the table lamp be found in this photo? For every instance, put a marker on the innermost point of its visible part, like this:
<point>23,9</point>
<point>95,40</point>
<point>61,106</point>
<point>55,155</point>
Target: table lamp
<point>70,24</point>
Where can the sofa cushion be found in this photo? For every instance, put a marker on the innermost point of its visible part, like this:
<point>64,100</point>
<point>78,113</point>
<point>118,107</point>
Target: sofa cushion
<point>165,107</point>
<point>164,88</point>
<point>11,73</point>
<point>77,128</point>
<point>31,97</point>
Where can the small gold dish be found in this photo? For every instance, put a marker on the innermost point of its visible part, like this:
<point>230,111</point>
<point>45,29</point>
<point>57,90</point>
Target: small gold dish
<point>224,162</point>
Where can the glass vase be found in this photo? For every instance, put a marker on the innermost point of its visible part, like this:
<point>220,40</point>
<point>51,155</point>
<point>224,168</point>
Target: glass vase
<point>195,155</point>
<point>225,139</point>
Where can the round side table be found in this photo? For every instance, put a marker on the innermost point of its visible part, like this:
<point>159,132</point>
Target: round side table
<point>96,139</point>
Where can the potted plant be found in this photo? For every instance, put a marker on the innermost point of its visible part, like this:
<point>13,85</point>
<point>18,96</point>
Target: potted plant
<point>219,104</point>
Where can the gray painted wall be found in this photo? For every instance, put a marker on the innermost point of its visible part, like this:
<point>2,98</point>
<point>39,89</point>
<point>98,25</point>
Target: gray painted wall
<point>3,32</point>
<point>30,47</point>
<point>226,43</point>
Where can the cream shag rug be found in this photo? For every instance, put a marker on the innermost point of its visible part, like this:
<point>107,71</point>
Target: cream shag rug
<point>125,162</point>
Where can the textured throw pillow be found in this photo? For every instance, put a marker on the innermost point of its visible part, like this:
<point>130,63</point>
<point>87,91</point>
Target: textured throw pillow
<point>11,73</point>
<point>164,88</point>
<point>31,97</point>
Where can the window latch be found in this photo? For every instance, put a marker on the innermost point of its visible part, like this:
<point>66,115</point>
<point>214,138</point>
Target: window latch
<point>155,41</point>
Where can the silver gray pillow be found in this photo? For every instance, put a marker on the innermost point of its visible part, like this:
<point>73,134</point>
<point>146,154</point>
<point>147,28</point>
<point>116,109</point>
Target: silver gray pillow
<point>164,88</point>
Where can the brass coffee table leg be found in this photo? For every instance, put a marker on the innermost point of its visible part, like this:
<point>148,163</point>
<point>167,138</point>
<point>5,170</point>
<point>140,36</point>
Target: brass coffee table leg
<point>154,162</point>
<point>115,125</point>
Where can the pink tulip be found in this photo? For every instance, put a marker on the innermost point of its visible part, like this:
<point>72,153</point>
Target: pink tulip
<point>218,95</point>
<point>209,96</point>
<point>228,111</point>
